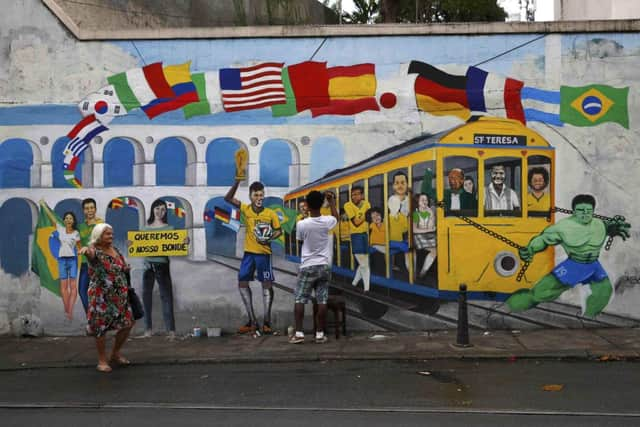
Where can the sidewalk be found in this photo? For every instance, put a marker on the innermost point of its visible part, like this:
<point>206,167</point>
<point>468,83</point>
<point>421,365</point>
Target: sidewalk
<point>604,344</point>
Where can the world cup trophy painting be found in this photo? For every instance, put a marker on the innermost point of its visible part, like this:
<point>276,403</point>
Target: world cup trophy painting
<point>241,158</point>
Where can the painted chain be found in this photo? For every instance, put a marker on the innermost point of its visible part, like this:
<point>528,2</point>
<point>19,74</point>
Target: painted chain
<point>493,234</point>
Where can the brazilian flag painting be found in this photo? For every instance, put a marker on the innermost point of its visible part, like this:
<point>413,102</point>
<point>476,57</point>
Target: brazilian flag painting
<point>287,219</point>
<point>594,104</point>
<point>43,260</point>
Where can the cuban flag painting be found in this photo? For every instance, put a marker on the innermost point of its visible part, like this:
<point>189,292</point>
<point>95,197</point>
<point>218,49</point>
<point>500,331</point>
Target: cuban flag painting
<point>79,138</point>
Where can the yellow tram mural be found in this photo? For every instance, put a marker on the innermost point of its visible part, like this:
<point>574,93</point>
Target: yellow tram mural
<point>444,210</point>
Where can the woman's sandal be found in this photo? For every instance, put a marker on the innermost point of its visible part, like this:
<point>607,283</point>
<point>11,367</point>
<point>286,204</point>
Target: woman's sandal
<point>103,368</point>
<point>119,361</point>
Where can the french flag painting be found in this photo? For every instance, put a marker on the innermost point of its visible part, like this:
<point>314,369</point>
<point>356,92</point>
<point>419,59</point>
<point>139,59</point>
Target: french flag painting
<point>491,93</point>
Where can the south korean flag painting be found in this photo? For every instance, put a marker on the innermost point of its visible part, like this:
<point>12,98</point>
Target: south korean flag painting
<point>104,104</point>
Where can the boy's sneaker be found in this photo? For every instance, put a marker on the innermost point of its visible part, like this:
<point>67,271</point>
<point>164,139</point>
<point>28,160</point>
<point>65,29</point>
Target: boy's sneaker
<point>248,328</point>
<point>321,340</point>
<point>296,339</point>
<point>267,329</point>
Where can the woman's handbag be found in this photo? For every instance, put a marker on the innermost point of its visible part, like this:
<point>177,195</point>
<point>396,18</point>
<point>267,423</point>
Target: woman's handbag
<point>134,300</point>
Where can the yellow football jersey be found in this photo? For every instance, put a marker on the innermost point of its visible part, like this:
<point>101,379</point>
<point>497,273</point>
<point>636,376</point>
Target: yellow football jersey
<point>253,221</point>
<point>354,211</point>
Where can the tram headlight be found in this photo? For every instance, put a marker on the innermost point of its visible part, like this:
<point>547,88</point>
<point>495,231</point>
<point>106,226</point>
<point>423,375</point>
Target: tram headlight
<point>506,263</point>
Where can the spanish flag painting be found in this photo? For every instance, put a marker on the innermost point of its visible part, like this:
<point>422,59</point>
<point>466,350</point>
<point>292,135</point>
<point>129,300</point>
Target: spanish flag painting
<point>352,90</point>
<point>43,260</point>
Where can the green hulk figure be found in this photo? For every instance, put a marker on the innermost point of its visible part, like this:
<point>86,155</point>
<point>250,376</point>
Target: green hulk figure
<point>582,237</point>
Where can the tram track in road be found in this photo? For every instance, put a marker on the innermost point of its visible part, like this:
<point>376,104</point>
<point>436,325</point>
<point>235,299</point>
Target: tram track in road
<point>335,409</point>
<point>482,315</point>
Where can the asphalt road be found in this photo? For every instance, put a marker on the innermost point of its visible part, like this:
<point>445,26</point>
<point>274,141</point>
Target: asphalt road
<point>354,393</point>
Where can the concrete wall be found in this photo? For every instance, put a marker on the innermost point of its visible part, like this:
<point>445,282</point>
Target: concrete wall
<point>45,72</point>
<point>121,15</point>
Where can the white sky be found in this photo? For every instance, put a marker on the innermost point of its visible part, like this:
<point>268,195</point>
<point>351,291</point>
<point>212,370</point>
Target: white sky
<point>544,8</point>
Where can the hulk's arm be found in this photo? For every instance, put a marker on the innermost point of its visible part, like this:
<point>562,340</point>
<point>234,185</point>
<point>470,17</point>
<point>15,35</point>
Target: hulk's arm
<point>550,236</point>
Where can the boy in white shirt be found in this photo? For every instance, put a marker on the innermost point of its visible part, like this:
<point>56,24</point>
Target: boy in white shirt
<point>315,265</point>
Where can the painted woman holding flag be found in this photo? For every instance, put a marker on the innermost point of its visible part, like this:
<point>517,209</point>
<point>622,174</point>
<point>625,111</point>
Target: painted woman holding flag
<point>68,239</point>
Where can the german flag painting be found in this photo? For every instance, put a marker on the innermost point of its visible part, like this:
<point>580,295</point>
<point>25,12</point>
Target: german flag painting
<point>440,93</point>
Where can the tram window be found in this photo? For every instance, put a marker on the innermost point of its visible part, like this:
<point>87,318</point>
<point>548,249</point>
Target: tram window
<point>423,179</point>
<point>345,237</point>
<point>398,209</point>
<point>503,190</point>
<point>301,207</point>
<point>377,229</point>
<point>423,222</point>
<point>538,186</point>
<point>458,198</point>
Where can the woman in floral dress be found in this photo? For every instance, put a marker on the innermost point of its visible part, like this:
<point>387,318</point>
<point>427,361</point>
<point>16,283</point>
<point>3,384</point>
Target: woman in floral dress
<point>108,296</point>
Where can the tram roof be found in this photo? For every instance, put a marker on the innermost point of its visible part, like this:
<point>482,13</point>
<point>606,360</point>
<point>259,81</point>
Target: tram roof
<point>412,145</point>
<point>425,141</point>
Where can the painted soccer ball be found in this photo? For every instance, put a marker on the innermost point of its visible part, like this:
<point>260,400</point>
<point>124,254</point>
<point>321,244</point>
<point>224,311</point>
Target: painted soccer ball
<point>263,232</point>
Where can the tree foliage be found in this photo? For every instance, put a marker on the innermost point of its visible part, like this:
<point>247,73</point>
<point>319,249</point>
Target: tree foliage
<point>367,12</point>
<point>425,11</point>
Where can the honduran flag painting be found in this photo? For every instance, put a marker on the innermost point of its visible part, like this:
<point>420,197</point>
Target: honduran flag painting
<point>139,87</point>
<point>489,93</point>
<point>252,87</point>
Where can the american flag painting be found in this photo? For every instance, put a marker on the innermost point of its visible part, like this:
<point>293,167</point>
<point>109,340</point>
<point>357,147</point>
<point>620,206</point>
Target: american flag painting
<point>252,87</point>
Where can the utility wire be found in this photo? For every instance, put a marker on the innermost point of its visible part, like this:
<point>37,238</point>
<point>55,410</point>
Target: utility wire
<point>319,47</point>
<point>139,54</point>
<point>511,50</point>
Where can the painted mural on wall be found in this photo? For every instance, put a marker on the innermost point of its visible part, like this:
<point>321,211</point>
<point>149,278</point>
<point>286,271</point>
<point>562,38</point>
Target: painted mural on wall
<point>173,113</point>
<point>348,90</point>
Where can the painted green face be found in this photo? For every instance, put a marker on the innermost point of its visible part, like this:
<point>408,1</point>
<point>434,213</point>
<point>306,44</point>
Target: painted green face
<point>583,212</point>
